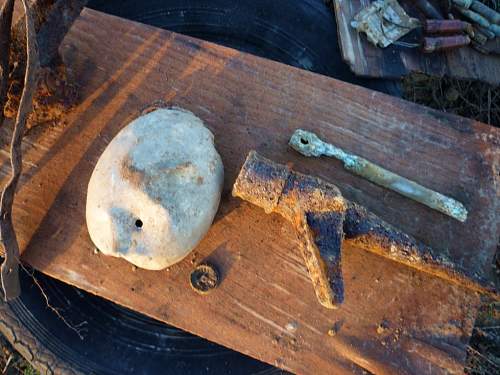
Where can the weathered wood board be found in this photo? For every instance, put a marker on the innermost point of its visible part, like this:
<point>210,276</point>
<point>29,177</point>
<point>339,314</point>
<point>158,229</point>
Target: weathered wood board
<point>266,306</point>
<point>394,62</point>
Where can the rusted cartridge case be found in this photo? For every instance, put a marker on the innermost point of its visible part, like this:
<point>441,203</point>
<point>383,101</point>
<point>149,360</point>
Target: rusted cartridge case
<point>446,26</point>
<point>478,38</point>
<point>475,17</point>
<point>486,32</point>
<point>490,14</point>
<point>428,9</point>
<point>443,43</point>
<point>495,29</point>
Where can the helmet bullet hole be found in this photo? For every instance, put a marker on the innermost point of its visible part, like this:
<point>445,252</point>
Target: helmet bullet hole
<point>138,223</point>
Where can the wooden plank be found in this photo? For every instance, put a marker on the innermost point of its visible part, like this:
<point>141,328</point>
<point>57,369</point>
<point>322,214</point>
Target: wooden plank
<point>394,61</point>
<point>265,306</point>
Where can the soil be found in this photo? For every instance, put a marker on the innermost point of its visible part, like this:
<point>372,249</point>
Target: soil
<point>54,96</point>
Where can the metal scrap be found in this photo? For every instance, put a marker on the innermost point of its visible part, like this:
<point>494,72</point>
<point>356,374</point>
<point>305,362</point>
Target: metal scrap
<point>479,8</point>
<point>443,43</point>
<point>45,25</point>
<point>10,266</point>
<point>308,144</point>
<point>447,27</point>
<point>6,13</point>
<point>384,22</point>
<point>322,218</point>
<point>480,14</point>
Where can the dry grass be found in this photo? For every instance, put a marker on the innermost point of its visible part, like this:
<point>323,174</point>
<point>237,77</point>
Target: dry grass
<point>481,102</point>
<point>484,349</point>
<point>471,99</point>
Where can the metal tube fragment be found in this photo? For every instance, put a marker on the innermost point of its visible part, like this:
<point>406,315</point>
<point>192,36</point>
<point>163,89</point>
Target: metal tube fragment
<point>444,43</point>
<point>480,8</point>
<point>429,10</point>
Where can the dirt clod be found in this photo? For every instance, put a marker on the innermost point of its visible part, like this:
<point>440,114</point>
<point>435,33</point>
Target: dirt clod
<point>54,96</point>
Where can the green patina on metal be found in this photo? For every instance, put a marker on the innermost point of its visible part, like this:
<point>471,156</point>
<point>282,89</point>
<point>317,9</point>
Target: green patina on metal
<point>309,144</point>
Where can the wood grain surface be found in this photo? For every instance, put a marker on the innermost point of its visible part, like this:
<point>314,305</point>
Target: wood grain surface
<point>394,319</point>
<point>394,62</point>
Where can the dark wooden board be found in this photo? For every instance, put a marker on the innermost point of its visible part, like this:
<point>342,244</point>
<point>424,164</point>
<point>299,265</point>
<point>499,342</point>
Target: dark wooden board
<point>395,62</point>
<point>265,306</point>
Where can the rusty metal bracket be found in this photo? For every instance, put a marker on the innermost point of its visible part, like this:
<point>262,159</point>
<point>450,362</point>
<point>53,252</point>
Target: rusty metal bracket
<point>322,218</point>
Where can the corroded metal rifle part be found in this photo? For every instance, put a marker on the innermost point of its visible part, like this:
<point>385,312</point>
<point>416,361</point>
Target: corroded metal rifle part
<point>316,209</point>
<point>323,218</point>
<point>308,144</point>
